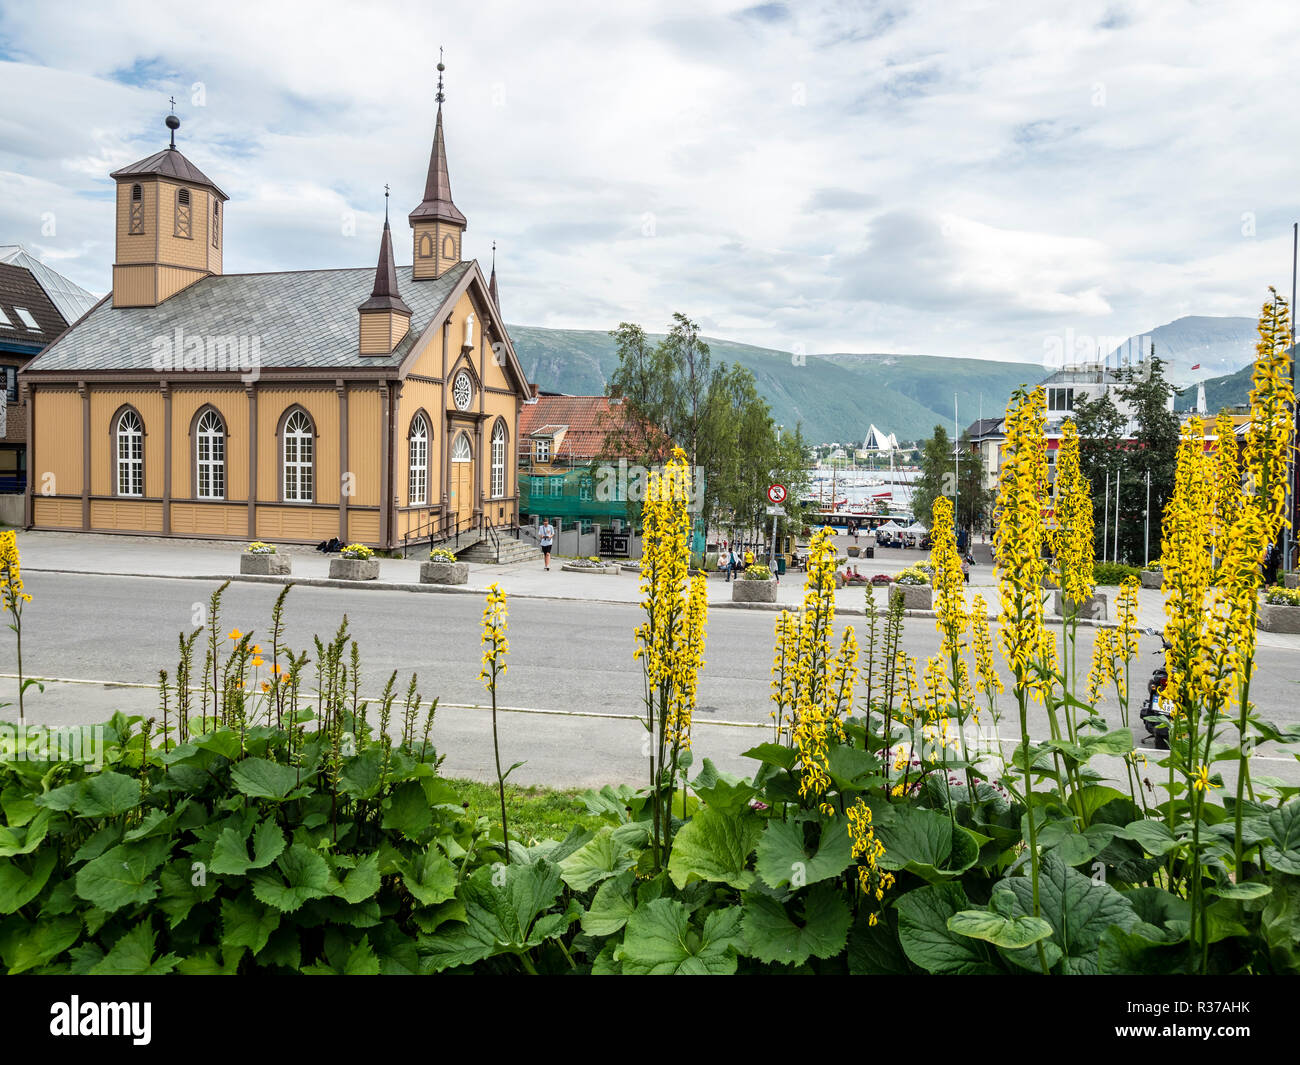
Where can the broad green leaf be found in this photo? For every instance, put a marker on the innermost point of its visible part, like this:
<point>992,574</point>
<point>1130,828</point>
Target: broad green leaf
<point>246,923</point>
<point>1079,847</point>
<point>660,941</point>
<point>874,949</point>
<point>1280,923</point>
<point>1116,741</point>
<point>1151,835</point>
<point>784,860</point>
<point>1122,953</point>
<point>612,905</point>
<point>407,810</point>
<point>595,861</point>
<point>124,874</point>
<point>721,790</point>
<point>362,881</point>
<point>1250,889</point>
<point>850,768</point>
<point>927,843</point>
<point>38,943</point>
<point>361,960</point>
<point>1078,909</point>
<point>429,876</point>
<point>360,776</point>
<point>715,846</point>
<point>224,742</point>
<point>818,926</point>
<point>18,804</point>
<point>776,754</point>
<point>180,893</point>
<point>107,794</point>
<point>299,874</point>
<point>21,879</point>
<point>928,942</point>
<point>505,912</point>
<point>132,955</point>
<point>14,841</point>
<point>230,853</point>
<point>1000,930</point>
<point>158,822</point>
<point>1283,854</point>
<point>259,778</point>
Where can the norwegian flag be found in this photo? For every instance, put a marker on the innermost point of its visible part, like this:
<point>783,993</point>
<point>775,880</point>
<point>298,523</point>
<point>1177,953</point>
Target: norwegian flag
<point>1197,366</point>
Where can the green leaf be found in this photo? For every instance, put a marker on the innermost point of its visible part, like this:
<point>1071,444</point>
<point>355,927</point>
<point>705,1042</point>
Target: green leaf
<point>1079,847</point>
<point>1152,836</point>
<point>927,843</point>
<point>1078,909</point>
<point>660,941</point>
<point>1280,923</point>
<point>1250,889</point>
<point>928,942</point>
<point>612,906</point>
<point>179,892</point>
<point>259,778</point>
<point>874,950</point>
<point>361,960</point>
<point>124,874</point>
<point>429,876</point>
<point>819,928</point>
<point>38,943</point>
<point>1283,854</point>
<point>300,874</point>
<point>132,955</point>
<point>360,777</point>
<point>850,768</point>
<point>14,841</point>
<point>362,881</point>
<point>1122,953</point>
<point>1000,930</point>
<point>107,794</point>
<point>505,912</point>
<point>408,810</point>
<point>230,853</point>
<point>21,879</point>
<point>1117,741</point>
<point>597,860</point>
<point>715,845</point>
<point>246,923</point>
<point>721,790</point>
<point>784,860</point>
<point>773,754</point>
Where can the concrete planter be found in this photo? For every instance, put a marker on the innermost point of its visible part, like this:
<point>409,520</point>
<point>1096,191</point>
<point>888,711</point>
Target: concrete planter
<point>914,596</point>
<point>1093,607</point>
<point>1152,578</point>
<point>444,572</point>
<point>853,551</point>
<point>1274,618</point>
<point>354,569</point>
<point>746,591</point>
<point>624,568</point>
<point>605,570</point>
<point>263,564</point>
<point>1291,580</point>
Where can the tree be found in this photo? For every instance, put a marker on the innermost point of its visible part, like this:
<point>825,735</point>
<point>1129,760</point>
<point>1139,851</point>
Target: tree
<point>936,478</point>
<point>974,498</point>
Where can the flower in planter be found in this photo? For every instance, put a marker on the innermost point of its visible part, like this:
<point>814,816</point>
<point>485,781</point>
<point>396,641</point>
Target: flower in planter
<point>881,578</point>
<point>913,575</point>
<point>758,573</point>
<point>257,547</point>
<point>1280,596</point>
<point>1154,565</point>
<point>358,551</point>
<point>441,554</point>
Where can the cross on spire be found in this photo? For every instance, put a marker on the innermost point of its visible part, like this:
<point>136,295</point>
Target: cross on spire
<point>385,203</point>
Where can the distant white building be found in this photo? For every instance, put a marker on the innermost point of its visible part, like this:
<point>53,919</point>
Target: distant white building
<point>879,443</point>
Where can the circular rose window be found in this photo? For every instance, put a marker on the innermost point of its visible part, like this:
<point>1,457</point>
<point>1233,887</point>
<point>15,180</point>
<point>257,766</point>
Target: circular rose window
<point>462,391</point>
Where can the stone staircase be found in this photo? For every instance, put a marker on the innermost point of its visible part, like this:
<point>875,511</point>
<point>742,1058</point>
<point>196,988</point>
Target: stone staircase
<point>512,551</point>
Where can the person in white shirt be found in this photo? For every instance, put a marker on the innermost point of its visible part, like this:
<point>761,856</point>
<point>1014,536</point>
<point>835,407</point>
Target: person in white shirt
<point>546,538</point>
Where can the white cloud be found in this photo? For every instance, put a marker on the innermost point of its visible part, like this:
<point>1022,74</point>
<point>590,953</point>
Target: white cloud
<point>959,178</point>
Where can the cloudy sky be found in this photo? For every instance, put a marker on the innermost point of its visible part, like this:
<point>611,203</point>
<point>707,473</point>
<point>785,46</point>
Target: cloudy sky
<point>959,178</point>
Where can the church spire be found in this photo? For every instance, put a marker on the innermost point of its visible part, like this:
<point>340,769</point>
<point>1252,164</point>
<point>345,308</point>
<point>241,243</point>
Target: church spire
<point>437,204</point>
<point>384,296</point>
<point>492,283</point>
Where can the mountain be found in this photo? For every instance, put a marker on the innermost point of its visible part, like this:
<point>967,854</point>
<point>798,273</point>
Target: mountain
<point>836,397</point>
<point>1219,346</point>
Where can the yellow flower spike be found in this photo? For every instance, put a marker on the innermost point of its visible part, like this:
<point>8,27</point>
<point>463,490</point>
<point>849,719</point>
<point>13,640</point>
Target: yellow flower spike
<point>235,634</point>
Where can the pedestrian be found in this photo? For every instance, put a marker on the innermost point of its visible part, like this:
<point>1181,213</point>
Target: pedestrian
<point>749,560</point>
<point>965,568</point>
<point>546,538</point>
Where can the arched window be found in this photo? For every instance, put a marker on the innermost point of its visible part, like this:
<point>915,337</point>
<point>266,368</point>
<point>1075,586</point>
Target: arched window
<point>460,450</point>
<point>499,461</point>
<point>424,248</point>
<point>216,222</point>
<point>130,454</point>
<point>418,482</point>
<point>299,458</point>
<point>137,210</point>
<point>184,227</point>
<point>210,456</point>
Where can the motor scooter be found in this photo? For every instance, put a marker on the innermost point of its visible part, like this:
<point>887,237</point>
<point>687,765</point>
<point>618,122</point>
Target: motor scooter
<point>1156,709</point>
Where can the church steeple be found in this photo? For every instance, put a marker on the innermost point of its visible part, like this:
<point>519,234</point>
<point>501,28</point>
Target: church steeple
<point>437,222</point>
<point>492,282</point>
<point>385,317</point>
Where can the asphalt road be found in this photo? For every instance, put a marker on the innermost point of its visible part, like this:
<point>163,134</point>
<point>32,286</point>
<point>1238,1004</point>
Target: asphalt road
<point>573,689</point>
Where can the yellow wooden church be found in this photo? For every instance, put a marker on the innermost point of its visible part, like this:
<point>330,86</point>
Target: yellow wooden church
<point>375,406</point>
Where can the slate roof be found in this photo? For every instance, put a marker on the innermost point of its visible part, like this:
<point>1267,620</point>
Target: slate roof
<point>581,421</point>
<point>169,163</point>
<point>301,318</point>
<point>18,288</point>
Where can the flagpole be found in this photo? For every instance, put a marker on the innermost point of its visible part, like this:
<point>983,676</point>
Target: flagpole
<point>1291,466</point>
